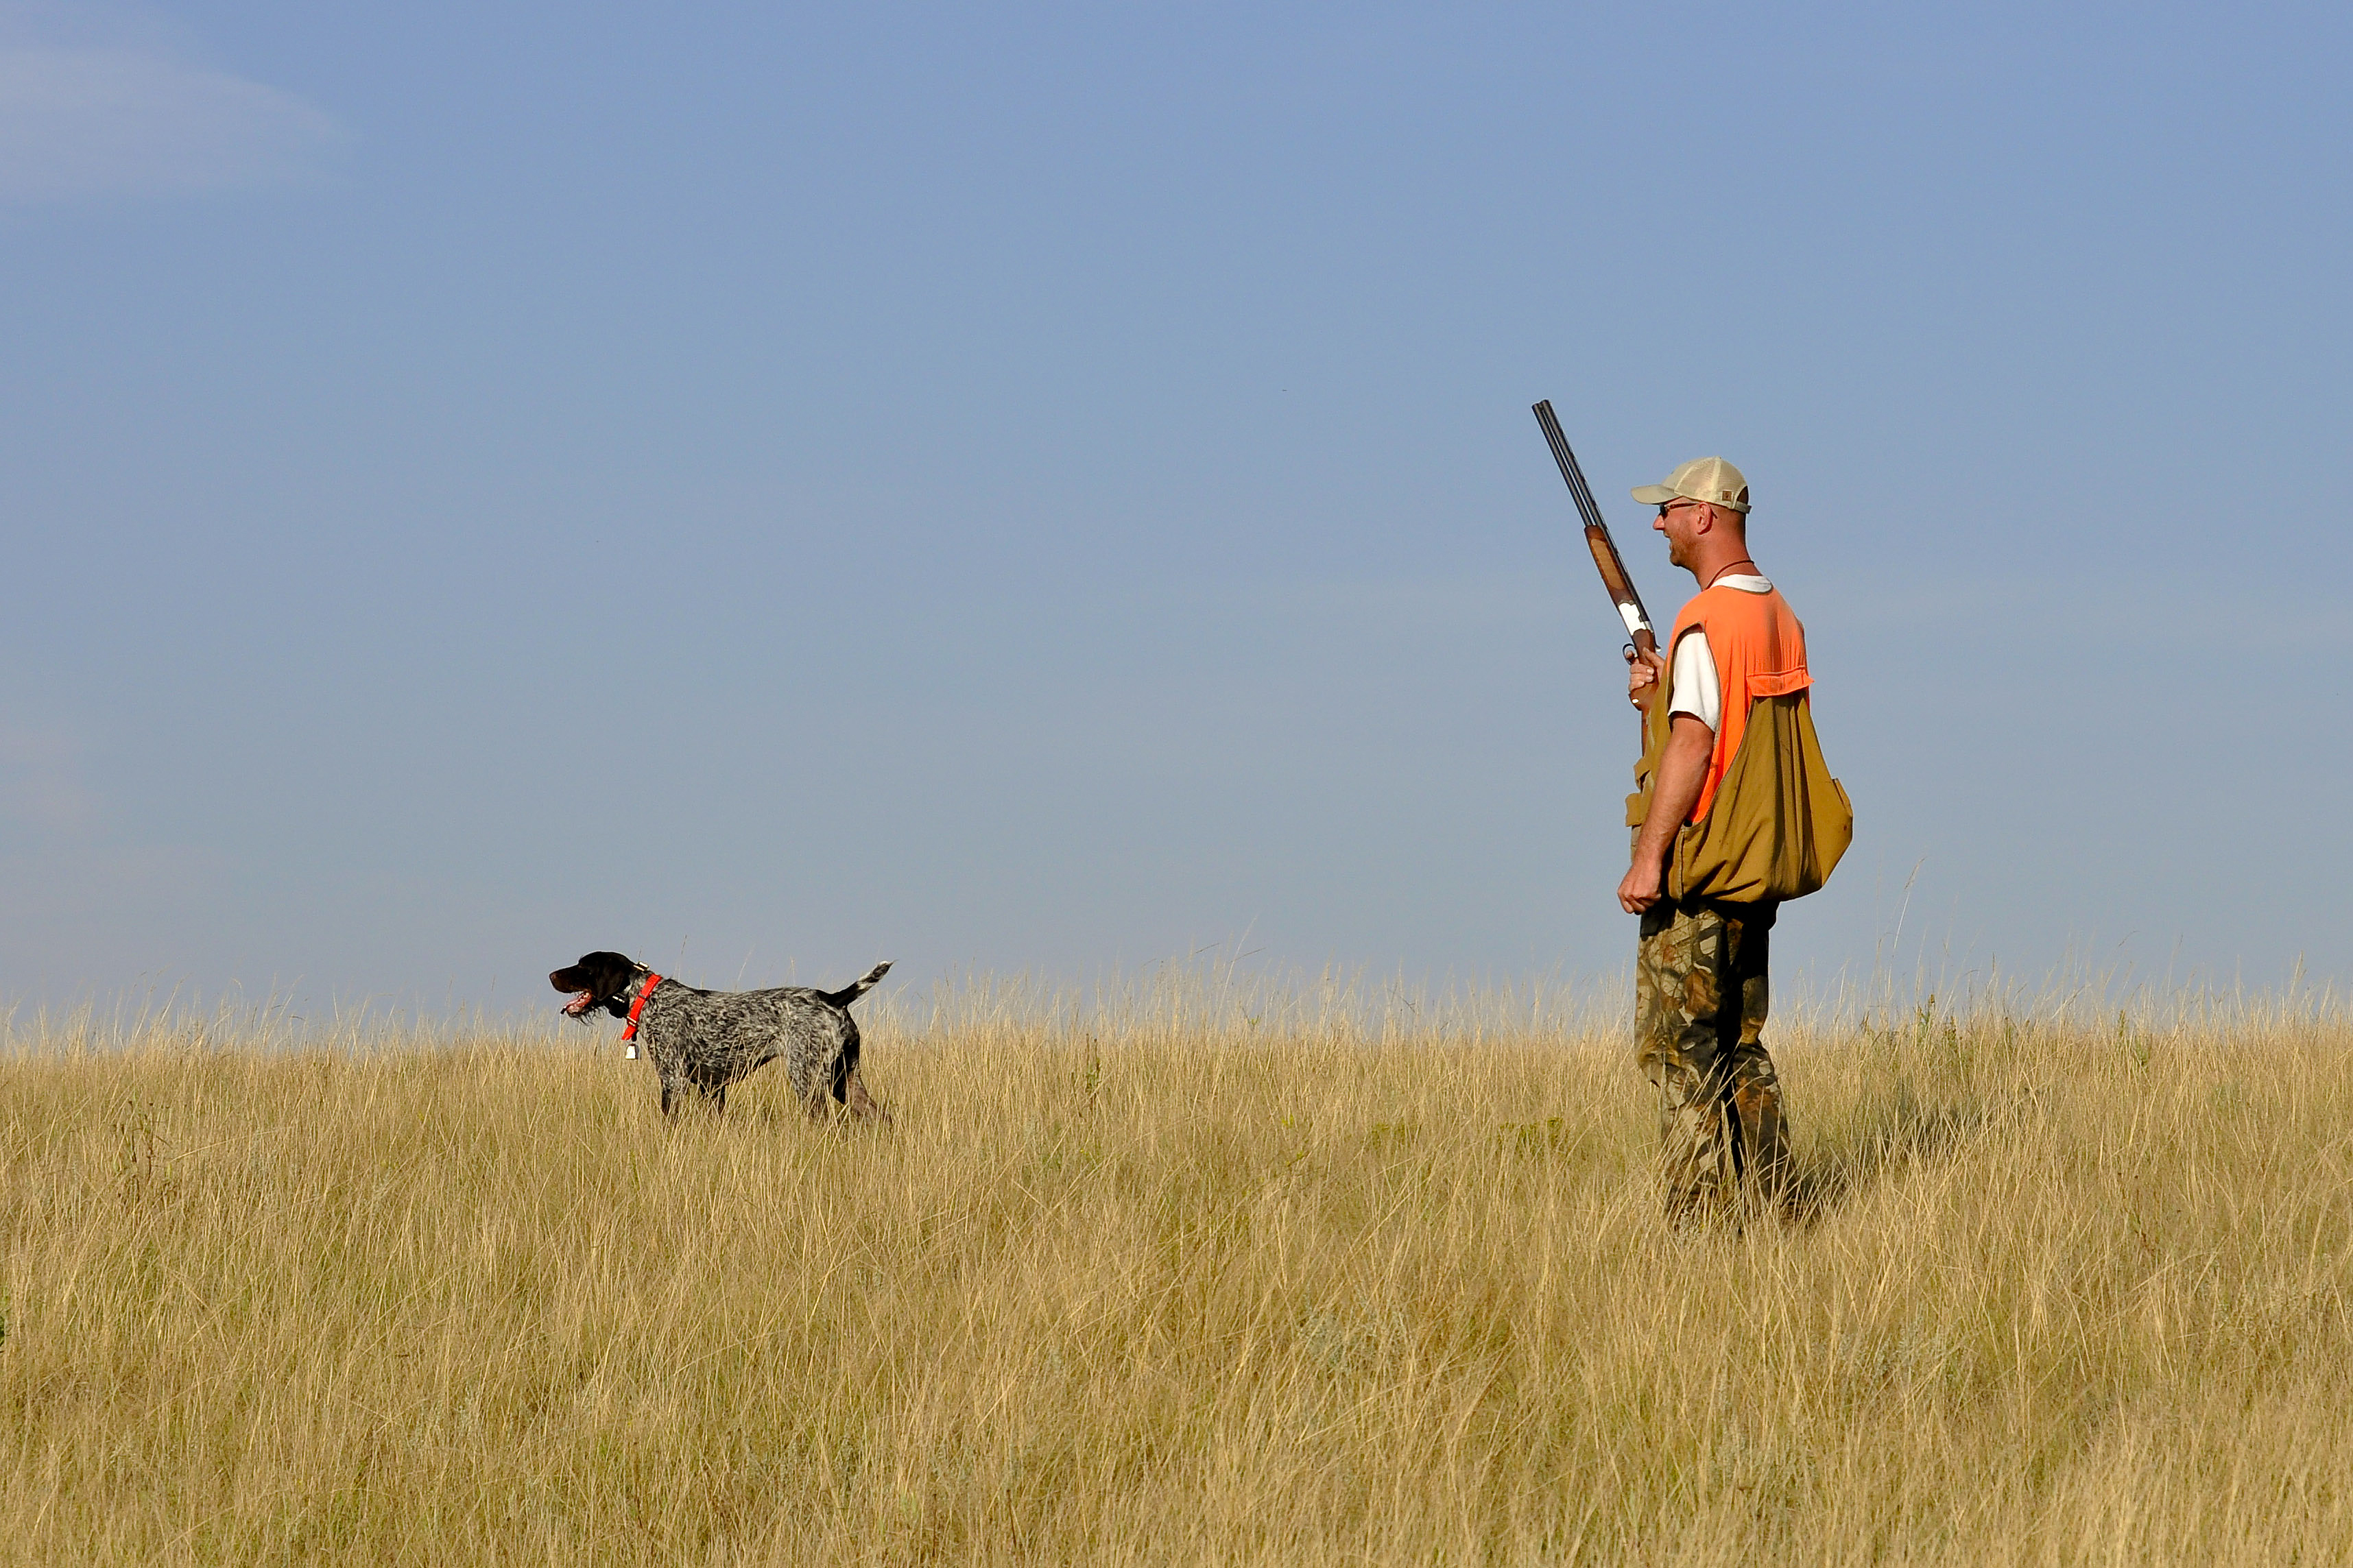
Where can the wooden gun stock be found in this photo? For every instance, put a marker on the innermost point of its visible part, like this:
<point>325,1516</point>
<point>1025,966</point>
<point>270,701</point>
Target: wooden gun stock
<point>1598,540</point>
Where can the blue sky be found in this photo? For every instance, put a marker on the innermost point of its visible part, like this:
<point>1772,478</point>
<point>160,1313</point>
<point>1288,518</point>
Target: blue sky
<point>1044,487</point>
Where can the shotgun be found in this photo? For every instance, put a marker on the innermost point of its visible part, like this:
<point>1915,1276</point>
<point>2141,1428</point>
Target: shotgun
<point>1598,540</point>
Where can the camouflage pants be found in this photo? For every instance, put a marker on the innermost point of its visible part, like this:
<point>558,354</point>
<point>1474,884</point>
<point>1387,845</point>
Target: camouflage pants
<point>1700,998</point>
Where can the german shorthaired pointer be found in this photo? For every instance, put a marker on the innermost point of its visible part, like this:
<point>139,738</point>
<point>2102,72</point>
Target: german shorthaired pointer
<point>709,1040</point>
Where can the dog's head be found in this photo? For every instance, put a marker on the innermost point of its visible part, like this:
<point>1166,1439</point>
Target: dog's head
<point>599,980</point>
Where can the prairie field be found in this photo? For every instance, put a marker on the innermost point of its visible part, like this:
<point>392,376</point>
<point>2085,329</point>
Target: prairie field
<point>1207,1281</point>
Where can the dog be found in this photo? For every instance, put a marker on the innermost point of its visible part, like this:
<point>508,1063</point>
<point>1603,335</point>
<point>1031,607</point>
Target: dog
<point>706,1040</point>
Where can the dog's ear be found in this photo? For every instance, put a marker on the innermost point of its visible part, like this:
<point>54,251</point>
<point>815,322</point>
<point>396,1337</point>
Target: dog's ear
<point>613,970</point>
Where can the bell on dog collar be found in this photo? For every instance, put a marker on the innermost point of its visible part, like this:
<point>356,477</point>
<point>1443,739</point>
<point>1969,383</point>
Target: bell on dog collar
<point>633,1053</point>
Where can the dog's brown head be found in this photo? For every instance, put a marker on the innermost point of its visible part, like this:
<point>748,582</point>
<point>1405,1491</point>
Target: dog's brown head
<point>599,980</point>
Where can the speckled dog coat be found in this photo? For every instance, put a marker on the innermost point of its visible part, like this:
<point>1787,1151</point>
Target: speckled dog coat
<point>708,1039</point>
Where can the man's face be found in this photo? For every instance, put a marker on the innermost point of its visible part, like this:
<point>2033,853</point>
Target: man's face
<point>1683,522</point>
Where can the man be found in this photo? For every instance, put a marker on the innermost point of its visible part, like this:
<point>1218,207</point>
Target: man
<point>1700,982</point>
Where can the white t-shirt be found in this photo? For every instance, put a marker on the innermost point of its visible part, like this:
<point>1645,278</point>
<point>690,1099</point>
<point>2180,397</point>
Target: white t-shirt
<point>1692,684</point>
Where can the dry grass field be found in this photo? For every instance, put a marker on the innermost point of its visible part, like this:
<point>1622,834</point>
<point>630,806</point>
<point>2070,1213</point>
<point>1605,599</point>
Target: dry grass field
<point>1181,1283</point>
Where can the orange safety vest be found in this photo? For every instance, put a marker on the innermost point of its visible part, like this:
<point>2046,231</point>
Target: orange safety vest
<point>1759,649</point>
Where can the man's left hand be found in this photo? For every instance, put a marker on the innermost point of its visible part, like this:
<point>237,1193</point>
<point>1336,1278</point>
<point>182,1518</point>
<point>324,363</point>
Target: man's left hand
<point>1639,890</point>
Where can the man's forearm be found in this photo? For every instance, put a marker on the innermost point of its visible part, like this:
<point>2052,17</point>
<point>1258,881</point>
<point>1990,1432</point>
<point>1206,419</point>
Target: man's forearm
<point>1682,769</point>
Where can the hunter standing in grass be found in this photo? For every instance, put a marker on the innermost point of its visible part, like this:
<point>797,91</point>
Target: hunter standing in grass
<point>1717,849</point>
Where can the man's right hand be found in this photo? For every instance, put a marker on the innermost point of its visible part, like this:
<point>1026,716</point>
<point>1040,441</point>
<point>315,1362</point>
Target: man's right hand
<point>1644,673</point>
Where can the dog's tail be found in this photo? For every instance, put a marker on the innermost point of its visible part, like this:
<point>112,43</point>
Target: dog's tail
<point>850,994</point>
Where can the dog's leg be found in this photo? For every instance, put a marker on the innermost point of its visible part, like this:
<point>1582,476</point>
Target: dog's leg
<point>861,1104</point>
<point>670,1088</point>
<point>717,1094</point>
<point>850,1090</point>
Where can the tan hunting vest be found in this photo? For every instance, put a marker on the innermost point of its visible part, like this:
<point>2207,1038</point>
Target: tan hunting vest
<point>1770,822</point>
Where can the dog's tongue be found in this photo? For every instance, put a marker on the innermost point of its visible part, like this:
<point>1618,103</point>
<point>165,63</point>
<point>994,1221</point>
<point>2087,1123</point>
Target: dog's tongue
<point>580,1003</point>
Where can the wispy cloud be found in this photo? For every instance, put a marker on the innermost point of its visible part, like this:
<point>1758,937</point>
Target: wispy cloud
<point>86,117</point>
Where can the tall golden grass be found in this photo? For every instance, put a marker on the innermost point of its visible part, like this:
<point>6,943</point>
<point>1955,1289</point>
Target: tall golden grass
<point>1221,1280</point>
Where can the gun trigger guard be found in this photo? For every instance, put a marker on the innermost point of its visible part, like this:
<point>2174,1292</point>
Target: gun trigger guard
<point>1628,652</point>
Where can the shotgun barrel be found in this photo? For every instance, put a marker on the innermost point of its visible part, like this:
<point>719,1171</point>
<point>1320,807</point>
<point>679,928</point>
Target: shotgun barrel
<point>1598,540</point>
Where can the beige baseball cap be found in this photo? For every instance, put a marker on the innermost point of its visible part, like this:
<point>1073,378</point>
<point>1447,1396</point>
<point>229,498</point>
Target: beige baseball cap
<point>1711,479</point>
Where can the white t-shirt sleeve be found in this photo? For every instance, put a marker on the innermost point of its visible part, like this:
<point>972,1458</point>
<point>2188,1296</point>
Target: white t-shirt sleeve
<point>1692,684</point>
